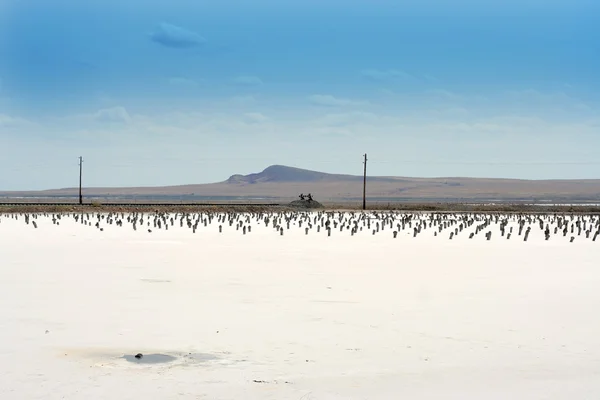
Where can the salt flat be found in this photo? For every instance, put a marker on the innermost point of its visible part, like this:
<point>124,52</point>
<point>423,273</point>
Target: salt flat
<point>297,316</point>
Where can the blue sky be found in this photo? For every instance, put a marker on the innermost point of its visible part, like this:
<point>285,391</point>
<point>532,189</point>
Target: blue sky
<point>185,91</point>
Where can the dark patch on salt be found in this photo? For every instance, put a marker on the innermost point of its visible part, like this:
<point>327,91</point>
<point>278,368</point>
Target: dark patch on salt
<point>149,358</point>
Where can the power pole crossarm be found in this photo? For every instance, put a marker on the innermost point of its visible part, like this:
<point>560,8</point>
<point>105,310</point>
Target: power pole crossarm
<point>364,206</point>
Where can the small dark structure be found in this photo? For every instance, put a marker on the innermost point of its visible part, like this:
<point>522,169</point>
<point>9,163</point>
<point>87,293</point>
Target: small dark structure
<point>306,201</point>
<point>139,358</point>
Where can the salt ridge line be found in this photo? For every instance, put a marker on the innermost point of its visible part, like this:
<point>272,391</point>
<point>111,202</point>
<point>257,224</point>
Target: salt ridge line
<point>391,224</point>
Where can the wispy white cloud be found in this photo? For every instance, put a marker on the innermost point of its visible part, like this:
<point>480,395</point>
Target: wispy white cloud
<point>328,100</point>
<point>124,127</point>
<point>110,115</point>
<point>386,92</point>
<point>247,81</point>
<point>243,100</point>
<point>549,105</point>
<point>346,119</point>
<point>175,37</point>
<point>449,97</point>
<point>340,117</point>
<point>255,118</point>
<point>387,75</point>
<point>182,81</point>
<point>446,95</point>
<point>430,78</point>
<point>330,132</point>
<point>4,98</point>
<point>10,122</point>
<point>536,97</point>
<point>104,99</point>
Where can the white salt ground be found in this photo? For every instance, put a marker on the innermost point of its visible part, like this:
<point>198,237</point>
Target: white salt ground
<point>305,316</point>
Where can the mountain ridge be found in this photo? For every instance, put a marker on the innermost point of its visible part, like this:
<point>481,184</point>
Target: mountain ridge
<point>281,173</point>
<point>275,172</point>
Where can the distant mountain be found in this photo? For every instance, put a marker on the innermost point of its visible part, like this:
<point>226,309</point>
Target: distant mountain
<point>281,173</point>
<point>284,174</point>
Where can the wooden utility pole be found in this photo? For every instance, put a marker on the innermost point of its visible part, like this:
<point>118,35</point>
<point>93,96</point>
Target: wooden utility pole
<point>80,168</point>
<point>365,184</point>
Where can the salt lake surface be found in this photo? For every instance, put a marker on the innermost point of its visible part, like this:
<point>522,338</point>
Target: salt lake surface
<point>355,315</point>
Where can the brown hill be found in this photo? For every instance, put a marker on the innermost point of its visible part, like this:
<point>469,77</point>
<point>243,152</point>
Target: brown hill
<point>281,182</point>
<point>281,173</point>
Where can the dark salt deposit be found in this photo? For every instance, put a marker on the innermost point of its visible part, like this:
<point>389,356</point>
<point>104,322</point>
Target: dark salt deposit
<point>158,358</point>
<point>149,358</point>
